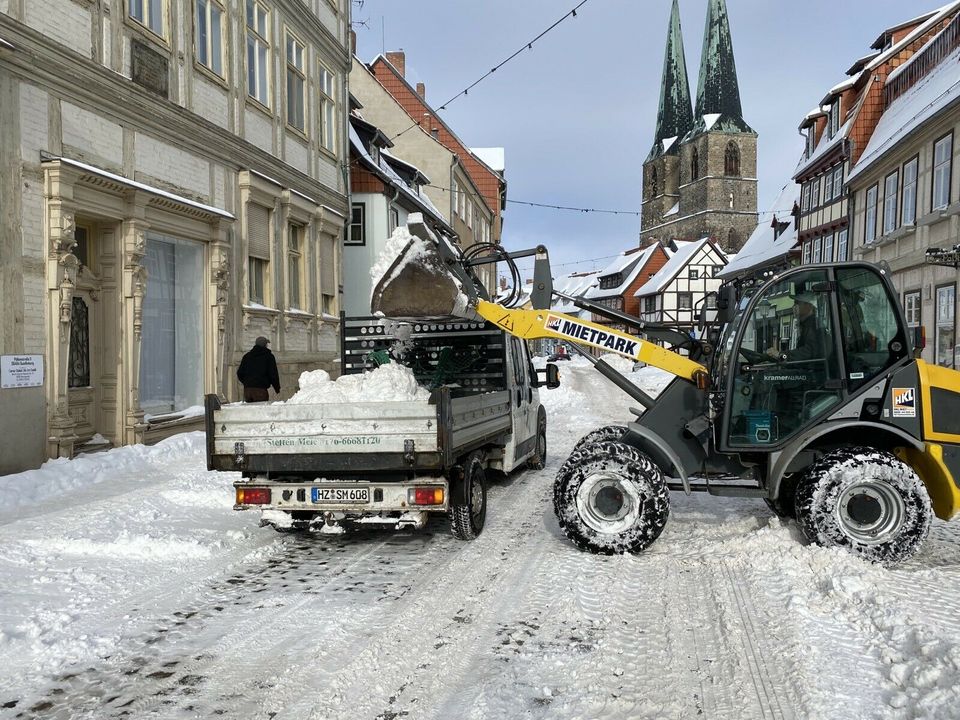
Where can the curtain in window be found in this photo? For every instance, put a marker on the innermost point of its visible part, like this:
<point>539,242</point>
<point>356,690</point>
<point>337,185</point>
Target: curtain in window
<point>171,354</point>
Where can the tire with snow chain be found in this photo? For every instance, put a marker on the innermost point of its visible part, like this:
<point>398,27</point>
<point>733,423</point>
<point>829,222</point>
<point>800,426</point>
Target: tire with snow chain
<point>610,498</point>
<point>867,501</point>
<point>607,432</point>
<point>539,459</point>
<point>466,521</point>
<point>785,504</point>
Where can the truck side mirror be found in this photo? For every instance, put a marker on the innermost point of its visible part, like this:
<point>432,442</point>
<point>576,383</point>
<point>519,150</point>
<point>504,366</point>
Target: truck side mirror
<point>552,377</point>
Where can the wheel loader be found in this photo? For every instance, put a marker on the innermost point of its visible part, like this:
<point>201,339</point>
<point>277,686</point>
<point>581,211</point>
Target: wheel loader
<point>802,389</point>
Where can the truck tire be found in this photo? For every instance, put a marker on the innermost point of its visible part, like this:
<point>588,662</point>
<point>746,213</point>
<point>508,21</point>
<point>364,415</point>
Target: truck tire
<point>611,498</point>
<point>866,501</point>
<point>607,432</point>
<point>466,521</point>
<point>539,459</point>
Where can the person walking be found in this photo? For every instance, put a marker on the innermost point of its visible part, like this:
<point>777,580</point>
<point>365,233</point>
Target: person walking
<point>258,371</point>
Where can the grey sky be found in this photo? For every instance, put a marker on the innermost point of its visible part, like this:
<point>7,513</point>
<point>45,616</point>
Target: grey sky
<point>576,115</point>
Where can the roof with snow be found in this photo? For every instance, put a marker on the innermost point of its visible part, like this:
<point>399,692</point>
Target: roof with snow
<point>629,271</point>
<point>765,246</point>
<point>935,93</point>
<point>493,157</point>
<point>575,285</point>
<point>825,145</point>
<point>669,271</point>
<point>936,17</point>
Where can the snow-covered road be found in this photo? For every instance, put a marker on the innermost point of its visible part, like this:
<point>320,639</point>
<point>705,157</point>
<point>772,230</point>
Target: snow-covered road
<point>129,588</point>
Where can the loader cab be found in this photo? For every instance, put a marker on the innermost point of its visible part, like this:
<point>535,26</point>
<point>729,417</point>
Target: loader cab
<point>799,346</point>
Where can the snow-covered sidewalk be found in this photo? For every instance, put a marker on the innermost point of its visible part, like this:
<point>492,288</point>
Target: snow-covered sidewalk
<point>130,588</point>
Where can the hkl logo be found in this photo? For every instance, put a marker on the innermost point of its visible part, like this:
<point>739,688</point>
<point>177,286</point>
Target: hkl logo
<point>903,397</point>
<point>553,323</point>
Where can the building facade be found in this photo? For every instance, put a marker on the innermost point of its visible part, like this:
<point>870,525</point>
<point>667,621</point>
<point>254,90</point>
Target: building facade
<point>700,178</point>
<point>171,189</point>
<point>905,186</point>
<point>617,283</point>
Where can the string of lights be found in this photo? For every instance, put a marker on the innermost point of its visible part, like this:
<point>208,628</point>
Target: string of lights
<point>526,46</point>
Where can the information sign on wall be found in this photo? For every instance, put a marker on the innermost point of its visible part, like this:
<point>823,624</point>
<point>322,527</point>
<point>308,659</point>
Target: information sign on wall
<point>21,371</point>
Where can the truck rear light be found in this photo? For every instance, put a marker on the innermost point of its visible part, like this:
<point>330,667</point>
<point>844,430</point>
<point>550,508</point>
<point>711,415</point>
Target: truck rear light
<point>425,496</point>
<point>253,496</point>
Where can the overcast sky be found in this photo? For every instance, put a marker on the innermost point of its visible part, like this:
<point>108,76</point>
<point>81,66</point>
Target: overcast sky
<point>576,114</point>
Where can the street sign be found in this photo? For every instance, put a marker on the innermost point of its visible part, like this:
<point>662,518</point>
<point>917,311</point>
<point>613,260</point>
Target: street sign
<point>21,371</point>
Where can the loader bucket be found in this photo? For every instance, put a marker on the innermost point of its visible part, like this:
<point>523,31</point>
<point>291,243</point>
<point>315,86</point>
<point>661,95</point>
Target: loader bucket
<point>422,281</point>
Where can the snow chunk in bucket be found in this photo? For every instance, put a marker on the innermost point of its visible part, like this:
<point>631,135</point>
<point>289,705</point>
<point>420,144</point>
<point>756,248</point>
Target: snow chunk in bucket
<point>388,383</point>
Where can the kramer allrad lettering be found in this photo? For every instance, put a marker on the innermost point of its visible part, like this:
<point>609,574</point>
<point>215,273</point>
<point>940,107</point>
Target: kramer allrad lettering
<point>593,336</point>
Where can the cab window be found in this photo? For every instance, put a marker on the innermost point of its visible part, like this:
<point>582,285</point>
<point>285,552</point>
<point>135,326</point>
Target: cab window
<point>785,370</point>
<point>872,337</point>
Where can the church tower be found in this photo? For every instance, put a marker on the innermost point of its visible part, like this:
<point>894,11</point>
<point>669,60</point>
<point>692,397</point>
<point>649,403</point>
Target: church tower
<point>717,156</point>
<point>661,169</point>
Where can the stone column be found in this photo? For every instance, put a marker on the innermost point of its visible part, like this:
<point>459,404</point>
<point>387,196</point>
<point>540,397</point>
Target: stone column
<point>219,293</point>
<point>134,240</point>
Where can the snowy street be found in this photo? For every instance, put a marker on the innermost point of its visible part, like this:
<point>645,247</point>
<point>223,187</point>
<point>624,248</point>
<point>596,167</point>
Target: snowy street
<point>130,588</point>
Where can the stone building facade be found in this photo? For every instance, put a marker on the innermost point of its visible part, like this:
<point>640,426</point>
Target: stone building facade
<point>700,178</point>
<point>171,188</point>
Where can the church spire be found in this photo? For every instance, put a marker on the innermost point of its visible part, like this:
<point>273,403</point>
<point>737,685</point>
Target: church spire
<point>718,93</point>
<point>675,115</point>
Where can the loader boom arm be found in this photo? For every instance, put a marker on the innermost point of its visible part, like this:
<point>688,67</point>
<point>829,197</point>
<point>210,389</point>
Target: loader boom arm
<point>535,324</point>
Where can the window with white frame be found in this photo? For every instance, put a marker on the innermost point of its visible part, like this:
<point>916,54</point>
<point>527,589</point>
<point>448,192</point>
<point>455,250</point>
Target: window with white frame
<point>328,110</point>
<point>355,235</point>
<point>811,140</point>
<point>258,252</point>
<point>942,162</point>
<point>805,197</point>
<point>835,117</point>
<point>650,304</point>
<point>815,193</point>
<point>461,203</point>
<point>684,301</point>
<point>455,192</point>
<point>890,187</point>
<point>295,238</point>
<point>209,35</point>
<point>870,216</point>
<point>148,13</point>
<point>838,180</point>
<point>296,83</point>
<point>841,253</point>
<point>911,308</point>
<point>394,219</point>
<point>806,252</point>
<point>258,52</point>
<point>328,276</point>
<point>828,247</point>
<point>946,328</point>
<point>828,186</point>
<point>817,249</point>
<point>909,210</point>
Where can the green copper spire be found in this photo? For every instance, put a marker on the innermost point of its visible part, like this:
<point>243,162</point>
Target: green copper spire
<point>718,92</point>
<point>675,115</point>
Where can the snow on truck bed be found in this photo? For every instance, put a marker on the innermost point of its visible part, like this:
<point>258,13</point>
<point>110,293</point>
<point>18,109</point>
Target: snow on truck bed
<point>388,383</point>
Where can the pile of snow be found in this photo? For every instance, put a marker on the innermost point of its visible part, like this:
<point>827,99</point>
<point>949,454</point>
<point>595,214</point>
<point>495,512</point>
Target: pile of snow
<point>388,383</point>
<point>391,251</point>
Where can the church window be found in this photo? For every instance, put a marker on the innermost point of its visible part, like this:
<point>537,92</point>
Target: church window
<point>694,165</point>
<point>731,160</point>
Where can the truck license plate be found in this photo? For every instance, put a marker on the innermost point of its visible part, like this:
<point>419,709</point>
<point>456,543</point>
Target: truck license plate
<point>340,495</point>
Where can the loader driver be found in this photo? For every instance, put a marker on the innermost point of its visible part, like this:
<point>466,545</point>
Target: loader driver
<point>811,339</point>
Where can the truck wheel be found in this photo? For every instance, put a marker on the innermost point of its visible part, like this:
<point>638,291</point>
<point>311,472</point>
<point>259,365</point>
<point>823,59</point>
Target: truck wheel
<point>607,432</point>
<point>864,500</point>
<point>466,521</point>
<point>539,459</point>
<point>611,498</point>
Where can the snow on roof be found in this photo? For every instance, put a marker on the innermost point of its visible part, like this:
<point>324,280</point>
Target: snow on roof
<point>763,246</point>
<point>668,142</point>
<point>494,157</point>
<point>907,23</point>
<point>915,57</point>
<point>710,119</point>
<point>841,86</point>
<point>575,285</point>
<point>642,258</point>
<point>669,271</point>
<point>894,50</point>
<point>859,64</point>
<point>672,211</point>
<point>622,260</point>
<point>933,94</point>
<point>825,145</point>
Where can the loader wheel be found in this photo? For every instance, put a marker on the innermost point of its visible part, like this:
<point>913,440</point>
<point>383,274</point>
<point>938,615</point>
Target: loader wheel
<point>611,498</point>
<point>867,501</point>
<point>466,521</point>
<point>539,459</point>
<point>785,504</point>
<point>607,432</point>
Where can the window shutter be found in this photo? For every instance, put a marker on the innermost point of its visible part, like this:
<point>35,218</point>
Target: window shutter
<point>258,231</point>
<point>327,261</point>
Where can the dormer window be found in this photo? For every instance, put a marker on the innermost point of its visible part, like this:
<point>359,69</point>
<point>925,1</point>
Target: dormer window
<point>834,121</point>
<point>811,140</point>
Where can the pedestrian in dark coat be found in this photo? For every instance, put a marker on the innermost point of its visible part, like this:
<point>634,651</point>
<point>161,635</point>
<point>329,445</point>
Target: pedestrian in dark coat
<point>258,371</point>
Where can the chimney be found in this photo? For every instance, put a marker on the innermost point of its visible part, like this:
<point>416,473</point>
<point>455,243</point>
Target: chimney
<point>353,41</point>
<point>422,91</point>
<point>398,59</point>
